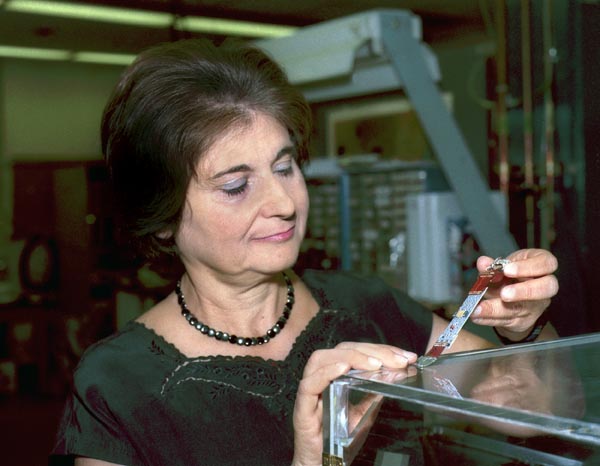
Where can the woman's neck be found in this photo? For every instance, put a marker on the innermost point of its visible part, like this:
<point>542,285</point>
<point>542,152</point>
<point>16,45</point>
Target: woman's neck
<point>166,320</point>
<point>235,307</point>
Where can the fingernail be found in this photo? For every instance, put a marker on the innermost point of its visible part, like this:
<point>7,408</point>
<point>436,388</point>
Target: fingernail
<point>510,269</point>
<point>476,312</point>
<point>401,358</point>
<point>374,362</point>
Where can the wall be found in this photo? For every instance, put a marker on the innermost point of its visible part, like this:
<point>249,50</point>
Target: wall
<point>49,111</point>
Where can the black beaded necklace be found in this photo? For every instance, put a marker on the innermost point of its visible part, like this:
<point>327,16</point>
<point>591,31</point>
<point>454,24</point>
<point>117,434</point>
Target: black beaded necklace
<point>233,339</point>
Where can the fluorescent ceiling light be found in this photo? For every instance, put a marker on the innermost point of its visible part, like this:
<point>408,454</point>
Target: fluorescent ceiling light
<point>31,53</point>
<point>34,53</point>
<point>147,18</point>
<point>232,27</point>
<point>103,58</point>
<point>91,12</point>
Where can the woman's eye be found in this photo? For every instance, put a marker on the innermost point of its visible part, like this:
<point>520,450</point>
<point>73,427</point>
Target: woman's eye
<point>285,169</point>
<point>235,188</point>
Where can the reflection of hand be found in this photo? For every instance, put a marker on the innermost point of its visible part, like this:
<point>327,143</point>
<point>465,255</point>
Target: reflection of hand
<point>321,369</point>
<point>513,382</point>
<point>510,381</point>
<point>539,383</point>
<point>365,407</point>
<point>393,376</point>
<point>523,295</point>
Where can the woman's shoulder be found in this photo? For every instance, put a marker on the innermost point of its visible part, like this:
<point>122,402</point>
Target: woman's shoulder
<point>346,285</point>
<point>126,351</point>
<point>333,277</point>
<point>389,314</point>
<point>367,293</point>
<point>120,340</point>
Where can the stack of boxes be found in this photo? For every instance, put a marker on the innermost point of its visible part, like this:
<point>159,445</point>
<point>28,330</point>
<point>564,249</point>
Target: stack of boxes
<point>358,216</point>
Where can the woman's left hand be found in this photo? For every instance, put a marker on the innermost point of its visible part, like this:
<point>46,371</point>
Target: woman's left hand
<point>523,295</point>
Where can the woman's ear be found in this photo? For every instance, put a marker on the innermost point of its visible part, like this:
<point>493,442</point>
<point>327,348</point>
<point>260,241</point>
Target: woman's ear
<point>165,234</point>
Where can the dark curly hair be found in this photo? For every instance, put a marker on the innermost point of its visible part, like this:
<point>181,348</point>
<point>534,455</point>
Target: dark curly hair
<point>165,112</point>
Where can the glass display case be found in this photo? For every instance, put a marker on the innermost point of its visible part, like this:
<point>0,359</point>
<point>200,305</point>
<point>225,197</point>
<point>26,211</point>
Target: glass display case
<point>529,404</point>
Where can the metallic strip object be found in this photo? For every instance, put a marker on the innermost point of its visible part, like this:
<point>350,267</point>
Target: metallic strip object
<point>493,274</point>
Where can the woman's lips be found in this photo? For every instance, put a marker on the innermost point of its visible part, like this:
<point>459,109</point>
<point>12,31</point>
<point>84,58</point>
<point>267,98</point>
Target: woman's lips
<point>279,237</point>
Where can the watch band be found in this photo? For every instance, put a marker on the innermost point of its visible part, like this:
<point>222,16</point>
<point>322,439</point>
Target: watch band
<point>493,274</point>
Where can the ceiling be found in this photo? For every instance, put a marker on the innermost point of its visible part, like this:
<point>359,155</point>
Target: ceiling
<point>442,20</point>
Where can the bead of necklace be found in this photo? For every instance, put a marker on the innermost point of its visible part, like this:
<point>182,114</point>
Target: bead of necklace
<point>234,339</point>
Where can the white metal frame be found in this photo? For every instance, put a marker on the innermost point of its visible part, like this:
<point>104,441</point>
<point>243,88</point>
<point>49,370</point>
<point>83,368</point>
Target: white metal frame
<point>382,50</point>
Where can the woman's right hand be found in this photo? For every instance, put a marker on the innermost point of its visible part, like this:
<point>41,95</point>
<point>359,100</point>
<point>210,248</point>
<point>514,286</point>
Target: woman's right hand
<point>322,368</point>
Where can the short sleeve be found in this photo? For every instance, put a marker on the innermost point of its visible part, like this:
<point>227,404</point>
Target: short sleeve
<point>89,428</point>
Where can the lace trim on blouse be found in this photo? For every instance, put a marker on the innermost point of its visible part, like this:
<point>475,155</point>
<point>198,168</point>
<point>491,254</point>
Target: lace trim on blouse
<point>273,381</point>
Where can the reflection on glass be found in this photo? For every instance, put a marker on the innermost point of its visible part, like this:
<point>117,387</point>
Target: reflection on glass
<point>527,404</point>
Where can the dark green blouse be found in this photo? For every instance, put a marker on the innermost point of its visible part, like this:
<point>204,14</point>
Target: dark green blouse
<point>138,401</point>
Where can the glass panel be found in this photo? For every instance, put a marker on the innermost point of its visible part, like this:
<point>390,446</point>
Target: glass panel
<point>517,396</point>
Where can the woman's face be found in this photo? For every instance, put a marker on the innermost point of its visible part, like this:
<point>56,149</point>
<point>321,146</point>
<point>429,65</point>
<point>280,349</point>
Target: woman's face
<point>247,208</point>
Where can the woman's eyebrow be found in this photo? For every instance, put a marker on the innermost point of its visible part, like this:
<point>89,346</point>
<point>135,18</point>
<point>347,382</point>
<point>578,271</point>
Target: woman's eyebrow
<point>287,150</point>
<point>235,169</point>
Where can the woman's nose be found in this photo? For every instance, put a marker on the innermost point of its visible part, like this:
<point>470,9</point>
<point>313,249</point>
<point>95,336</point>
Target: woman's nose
<point>277,201</point>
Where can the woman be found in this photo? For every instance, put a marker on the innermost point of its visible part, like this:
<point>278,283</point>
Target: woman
<point>205,146</point>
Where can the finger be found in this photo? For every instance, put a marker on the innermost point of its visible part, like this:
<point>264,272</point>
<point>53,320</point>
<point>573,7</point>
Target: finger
<point>530,290</point>
<point>352,358</point>
<point>496,310</point>
<point>517,316</point>
<point>390,356</point>
<point>311,387</point>
<point>483,262</point>
<point>533,263</point>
